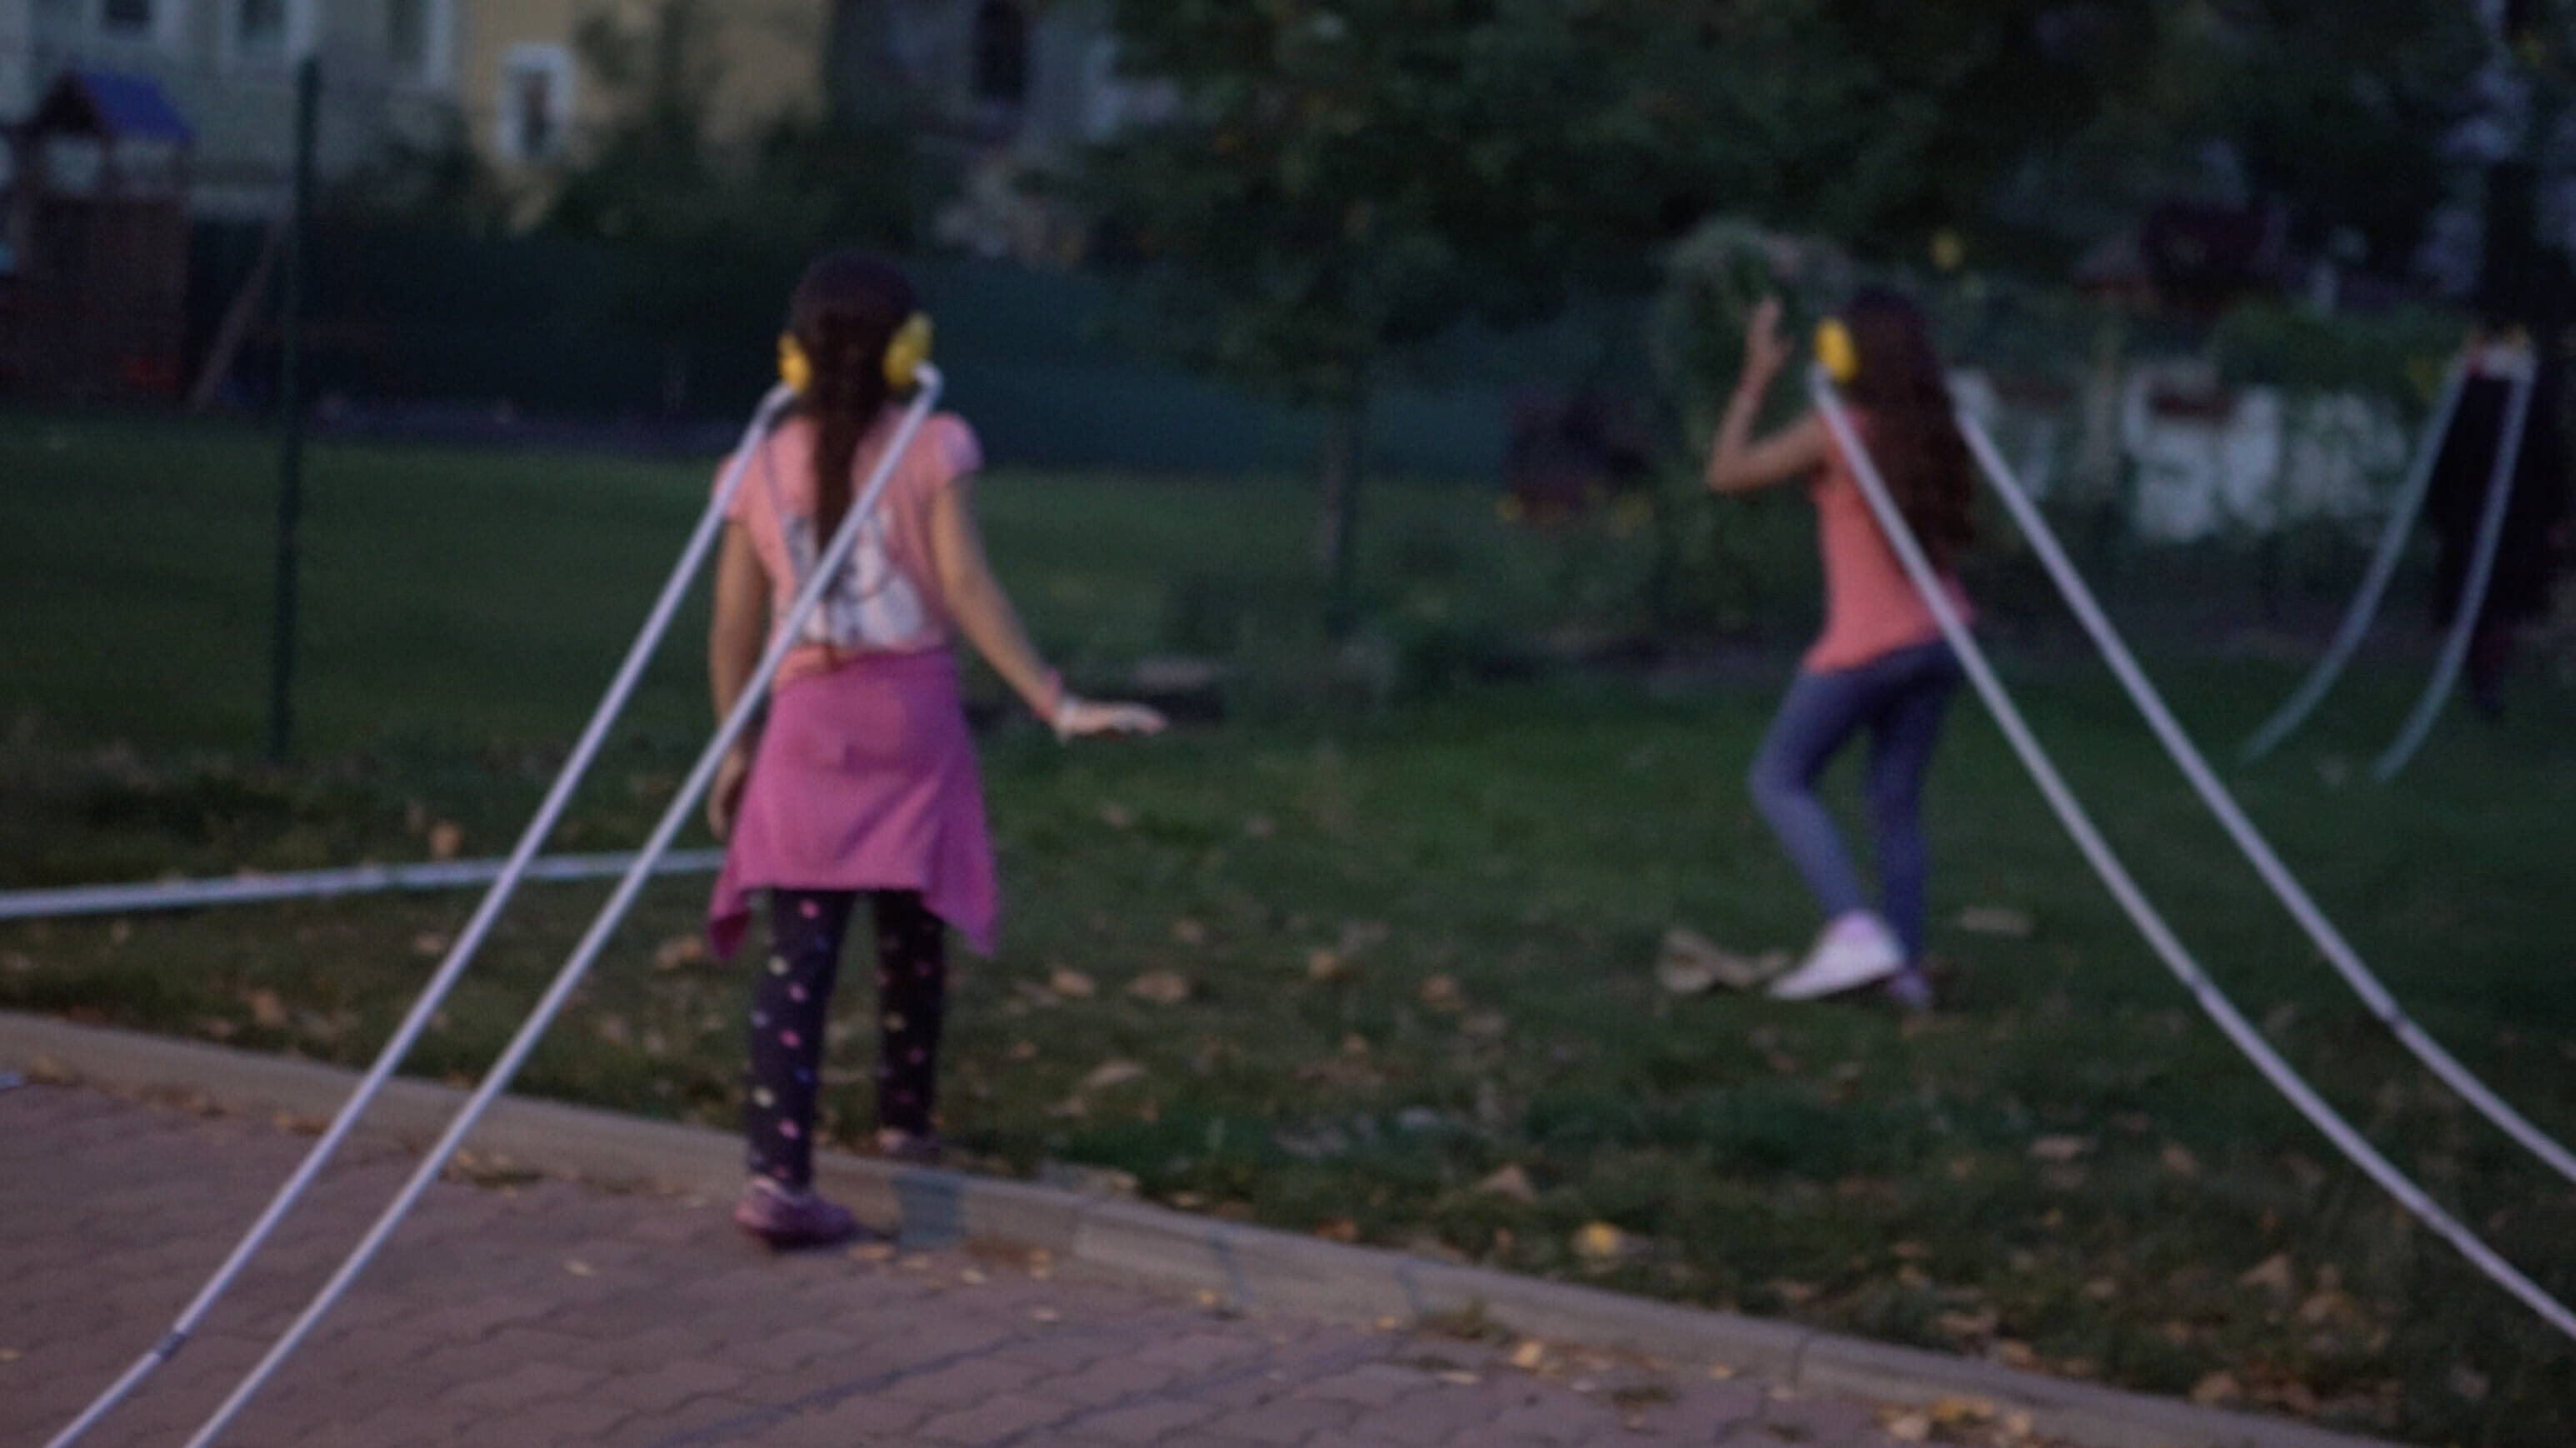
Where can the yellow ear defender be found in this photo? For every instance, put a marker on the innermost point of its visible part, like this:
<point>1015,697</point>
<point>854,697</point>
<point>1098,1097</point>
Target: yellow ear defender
<point>906,354</point>
<point>906,351</point>
<point>1836,353</point>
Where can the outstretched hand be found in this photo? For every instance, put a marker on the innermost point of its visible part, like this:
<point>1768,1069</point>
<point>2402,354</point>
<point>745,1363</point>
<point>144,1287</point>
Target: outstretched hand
<point>1081,718</point>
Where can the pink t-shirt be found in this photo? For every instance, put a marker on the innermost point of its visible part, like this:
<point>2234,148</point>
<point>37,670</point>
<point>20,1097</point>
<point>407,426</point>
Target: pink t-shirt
<point>1872,609</point>
<point>886,599</point>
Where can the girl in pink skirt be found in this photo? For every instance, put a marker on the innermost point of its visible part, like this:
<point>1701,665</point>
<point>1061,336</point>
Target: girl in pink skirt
<point>863,781</point>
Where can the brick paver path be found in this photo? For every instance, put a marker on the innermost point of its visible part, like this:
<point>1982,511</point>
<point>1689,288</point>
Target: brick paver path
<point>550,1314</point>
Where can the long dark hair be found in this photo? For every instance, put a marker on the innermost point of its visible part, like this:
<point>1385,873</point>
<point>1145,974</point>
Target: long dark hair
<point>846,310</point>
<point>1914,425</point>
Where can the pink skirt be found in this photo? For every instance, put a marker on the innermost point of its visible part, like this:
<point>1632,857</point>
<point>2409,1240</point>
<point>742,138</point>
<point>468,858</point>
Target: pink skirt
<point>865,780</point>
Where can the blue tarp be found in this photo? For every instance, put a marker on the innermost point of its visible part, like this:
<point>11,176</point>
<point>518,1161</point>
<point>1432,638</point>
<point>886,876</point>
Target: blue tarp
<point>118,106</point>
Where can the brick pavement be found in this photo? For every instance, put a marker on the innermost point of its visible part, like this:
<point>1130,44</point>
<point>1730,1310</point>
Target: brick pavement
<point>548,1313</point>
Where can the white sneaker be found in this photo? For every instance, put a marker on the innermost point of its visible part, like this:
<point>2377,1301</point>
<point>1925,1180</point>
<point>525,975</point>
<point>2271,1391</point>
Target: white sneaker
<point>1854,951</point>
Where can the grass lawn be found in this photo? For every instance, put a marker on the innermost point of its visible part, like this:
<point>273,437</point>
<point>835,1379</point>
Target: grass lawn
<point>1417,937</point>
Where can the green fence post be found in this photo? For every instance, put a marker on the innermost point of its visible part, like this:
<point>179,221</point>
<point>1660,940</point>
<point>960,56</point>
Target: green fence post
<point>291,389</point>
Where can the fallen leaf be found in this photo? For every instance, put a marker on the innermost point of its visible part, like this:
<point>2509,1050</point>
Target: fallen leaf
<point>1089,1181</point>
<point>10,1354</point>
<point>680,952</point>
<point>1441,993</point>
<point>429,944</point>
<point>266,1009</point>
<point>1112,1073</point>
<point>1600,1242</point>
<point>1691,964</point>
<point>2002,920</point>
<point>216,1028</point>
<point>1792,1292</point>
<point>1486,1026</point>
<point>2179,1160</point>
<point>2468,1382</point>
<point>1326,966</point>
<point>1339,1229</point>
<point>1460,1378</point>
<point>446,840</point>
<point>1529,1355</point>
<point>2217,1389</point>
<point>1072,984</point>
<point>1160,987</point>
<point>579,1268</point>
<point>1045,1314</point>
<point>1189,932</point>
<point>1511,1182</point>
<point>2273,1274</point>
<point>1021,1051</point>
<point>2102,1289</point>
<point>1116,816</point>
<point>879,1252</point>
<point>1910,1428</point>
<point>971,1277</point>
<point>2060,1148</point>
<point>1955,1412</point>
<point>2013,1353</point>
<point>1968,1326</point>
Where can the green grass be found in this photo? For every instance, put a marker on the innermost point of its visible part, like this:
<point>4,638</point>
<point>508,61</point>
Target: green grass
<point>1529,841</point>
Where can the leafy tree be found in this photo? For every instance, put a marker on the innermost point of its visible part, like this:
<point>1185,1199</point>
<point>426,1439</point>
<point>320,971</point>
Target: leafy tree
<point>1344,183</point>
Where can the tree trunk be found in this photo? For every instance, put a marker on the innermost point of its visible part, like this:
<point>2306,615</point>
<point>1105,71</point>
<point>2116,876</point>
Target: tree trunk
<point>1337,531</point>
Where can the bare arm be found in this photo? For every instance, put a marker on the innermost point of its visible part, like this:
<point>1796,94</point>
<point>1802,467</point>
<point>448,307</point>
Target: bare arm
<point>1739,463</point>
<point>984,614</point>
<point>741,620</point>
<point>976,600</point>
<point>733,652</point>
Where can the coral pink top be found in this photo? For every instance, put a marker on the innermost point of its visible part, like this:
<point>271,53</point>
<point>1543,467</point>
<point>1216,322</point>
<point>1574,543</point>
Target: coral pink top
<point>886,600</point>
<point>1872,609</point>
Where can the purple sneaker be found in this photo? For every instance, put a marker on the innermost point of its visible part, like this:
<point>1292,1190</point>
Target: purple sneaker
<point>785,1218</point>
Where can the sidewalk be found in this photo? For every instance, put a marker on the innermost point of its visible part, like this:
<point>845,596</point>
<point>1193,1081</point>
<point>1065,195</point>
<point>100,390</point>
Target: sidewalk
<point>544,1314</point>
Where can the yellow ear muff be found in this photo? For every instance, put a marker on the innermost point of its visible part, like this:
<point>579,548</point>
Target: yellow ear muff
<point>1836,353</point>
<point>794,368</point>
<point>906,354</point>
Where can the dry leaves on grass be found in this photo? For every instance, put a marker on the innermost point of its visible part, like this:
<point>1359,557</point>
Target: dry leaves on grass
<point>680,952</point>
<point>267,1011</point>
<point>2274,1274</point>
<point>1112,1073</point>
<point>1692,964</point>
<point>1442,993</point>
<point>446,840</point>
<point>1160,988</point>
<point>1071,984</point>
<point>1510,1182</point>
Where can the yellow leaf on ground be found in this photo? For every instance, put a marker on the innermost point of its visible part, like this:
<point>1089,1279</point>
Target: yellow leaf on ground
<point>1600,1242</point>
<point>1910,1428</point>
<point>267,1010</point>
<point>1529,1355</point>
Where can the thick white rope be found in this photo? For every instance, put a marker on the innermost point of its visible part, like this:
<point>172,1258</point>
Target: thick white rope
<point>148,896</point>
<point>2143,914</point>
<point>2222,803</point>
<point>784,638</point>
<point>2473,590</point>
<point>675,591</point>
<point>2403,510</point>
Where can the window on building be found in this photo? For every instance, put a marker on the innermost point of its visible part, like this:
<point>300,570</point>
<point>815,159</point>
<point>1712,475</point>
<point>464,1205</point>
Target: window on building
<point>126,17</point>
<point>1001,53</point>
<point>536,102</point>
<point>259,28</point>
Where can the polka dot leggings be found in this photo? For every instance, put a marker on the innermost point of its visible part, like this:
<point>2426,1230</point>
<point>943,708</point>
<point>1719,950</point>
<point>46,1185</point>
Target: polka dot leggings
<point>791,1006</point>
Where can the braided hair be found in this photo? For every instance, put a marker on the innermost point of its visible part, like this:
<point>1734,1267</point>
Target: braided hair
<point>1914,425</point>
<point>845,313</point>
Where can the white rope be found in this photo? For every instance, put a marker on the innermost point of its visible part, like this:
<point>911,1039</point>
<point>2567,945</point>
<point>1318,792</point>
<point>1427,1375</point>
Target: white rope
<point>2115,875</point>
<point>784,638</point>
<point>2403,510</point>
<point>2258,850</point>
<point>148,896</point>
<point>2473,590</point>
<point>521,861</point>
